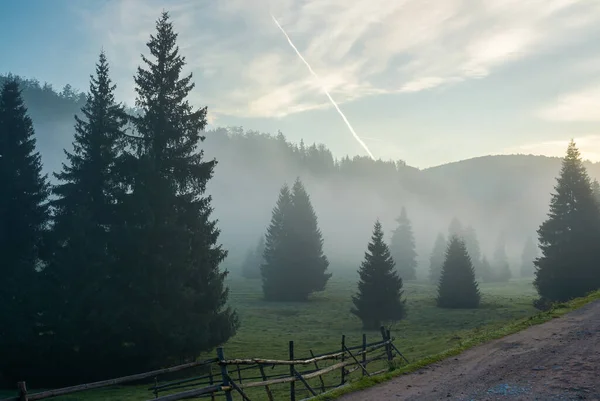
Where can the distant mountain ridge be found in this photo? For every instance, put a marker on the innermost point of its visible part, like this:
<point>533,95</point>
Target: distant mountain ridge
<point>506,193</point>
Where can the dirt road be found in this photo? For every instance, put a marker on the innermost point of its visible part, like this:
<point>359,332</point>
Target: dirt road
<point>557,360</point>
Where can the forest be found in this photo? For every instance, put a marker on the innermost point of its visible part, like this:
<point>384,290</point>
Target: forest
<point>125,232</point>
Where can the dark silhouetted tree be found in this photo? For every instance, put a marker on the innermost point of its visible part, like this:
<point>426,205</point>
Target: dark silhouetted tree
<point>254,260</point>
<point>402,246</point>
<point>596,191</point>
<point>295,265</point>
<point>569,238</point>
<point>529,254</point>
<point>379,297</point>
<point>23,222</point>
<point>174,305</point>
<point>79,276</point>
<point>436,259</point>
<point>458,288</point>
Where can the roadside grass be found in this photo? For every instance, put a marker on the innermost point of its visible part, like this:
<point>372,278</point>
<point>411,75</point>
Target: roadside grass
<point>476,339</point>
<point>427,335</point>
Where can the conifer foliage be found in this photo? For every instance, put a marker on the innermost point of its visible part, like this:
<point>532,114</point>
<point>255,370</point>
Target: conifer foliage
<point>379,297</point>
<point>78,277</point>
<point>294,263</point>
<point>436,259</point>
<point>171,259</point>
<point>472,244</point>
<point>457,287</point>
<point>23,222</point>
<point>569,238</point>
<point>402,246</point>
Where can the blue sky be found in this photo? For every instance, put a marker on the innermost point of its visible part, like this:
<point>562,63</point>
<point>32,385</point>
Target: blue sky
<point>426,81</point>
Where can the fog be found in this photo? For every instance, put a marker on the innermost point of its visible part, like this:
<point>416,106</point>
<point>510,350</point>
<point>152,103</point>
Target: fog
<point>497,195</point>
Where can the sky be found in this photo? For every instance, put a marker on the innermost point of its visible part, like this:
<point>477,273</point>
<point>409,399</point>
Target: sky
<point>424,81</point>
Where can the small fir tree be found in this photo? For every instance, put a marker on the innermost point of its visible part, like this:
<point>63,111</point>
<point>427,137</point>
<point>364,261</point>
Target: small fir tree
<point>379,297</point>
<point>436,260</point>
<point>569,238</point>
<point>402,246</point>
<point>529,254</point>
<point>458,288</point>
<point>24,192</point>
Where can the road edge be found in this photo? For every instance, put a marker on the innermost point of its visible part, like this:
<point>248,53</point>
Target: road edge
<point>516,326</point>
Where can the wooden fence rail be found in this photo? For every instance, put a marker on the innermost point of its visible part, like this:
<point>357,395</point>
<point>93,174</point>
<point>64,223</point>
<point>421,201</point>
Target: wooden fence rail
<point>234,380</point>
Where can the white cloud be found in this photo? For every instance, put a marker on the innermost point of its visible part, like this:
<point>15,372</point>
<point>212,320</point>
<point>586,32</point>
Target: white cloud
<point>579,106</point>
<point>359,48</point>
<point>589,146</point>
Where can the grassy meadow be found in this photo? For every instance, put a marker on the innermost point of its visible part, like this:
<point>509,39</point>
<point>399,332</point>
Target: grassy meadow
<point>266,328</point>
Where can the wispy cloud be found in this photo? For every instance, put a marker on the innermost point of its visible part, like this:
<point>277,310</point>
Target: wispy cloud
<point>245,68</point>
<point>578,106</point>
<point>589,146</point>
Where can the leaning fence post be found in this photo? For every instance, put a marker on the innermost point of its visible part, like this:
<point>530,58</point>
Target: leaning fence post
<point>224,374</point>
<point>292,383</point>
<point>364,352</point>
<point>22,391</point>
<point>343,358</point>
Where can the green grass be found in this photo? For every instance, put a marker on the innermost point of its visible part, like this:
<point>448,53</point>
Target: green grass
<point>428,333</point>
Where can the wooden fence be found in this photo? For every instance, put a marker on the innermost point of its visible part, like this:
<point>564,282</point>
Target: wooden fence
<point>245,377</point>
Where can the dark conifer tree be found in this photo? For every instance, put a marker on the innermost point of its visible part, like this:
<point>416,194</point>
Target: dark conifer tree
<point>174,306</point>
<point>458,288</point>
<point>569,238</point>
<point>254,260</point>
<point>500,267</point>
<point>78,277</point>
<point>379,297</point>
<point>472,244</point>
<point>275,255</point>
<point>436,260</point>
<point>294,263</point>
<point>530,253</point>
<point>23,222</point>
<point>402,246</point>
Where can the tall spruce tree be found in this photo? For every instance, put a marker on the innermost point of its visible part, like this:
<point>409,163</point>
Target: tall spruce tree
<point>472,244</point>
<point>529,254</point>
<point>253,260</point>
<point>436,259</point>
<point>294,263</point>
<point>500,267</point>
<point>23,222</point>
<point>569,238</point>
<point>402,246</point>
<point>79,276</point>
<point>458,288</point>
<point>379,297</point>
<point>174,303</point>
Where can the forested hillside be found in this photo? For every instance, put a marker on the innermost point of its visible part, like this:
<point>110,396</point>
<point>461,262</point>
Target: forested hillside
<point>494,194</point>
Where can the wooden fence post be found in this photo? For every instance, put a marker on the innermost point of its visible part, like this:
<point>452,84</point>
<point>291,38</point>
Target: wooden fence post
<point>292,383</point>
<point>224,374</point>
<point>389,346</point>
<point>22,391</point>
<point>343,358</point>
<point>364,350</point>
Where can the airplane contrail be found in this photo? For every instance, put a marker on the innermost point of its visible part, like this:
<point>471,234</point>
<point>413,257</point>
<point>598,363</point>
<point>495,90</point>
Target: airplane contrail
<point>314,74</point>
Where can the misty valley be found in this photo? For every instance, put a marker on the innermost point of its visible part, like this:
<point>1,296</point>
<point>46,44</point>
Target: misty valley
<point>135,238</point>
